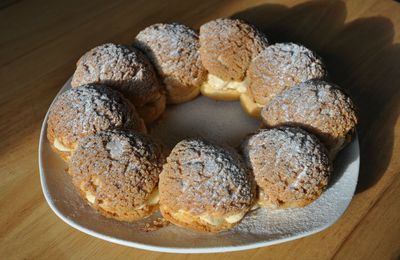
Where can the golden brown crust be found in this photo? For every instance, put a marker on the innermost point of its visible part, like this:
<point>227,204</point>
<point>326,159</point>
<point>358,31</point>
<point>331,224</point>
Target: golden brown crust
<point>317,106</point>
<point>181,95</point>
<point>291,166</point>
<point>174,51</point>
<point>123,68</point>
<point>249,106</point>
<point>152,111</point>
<point>281,66</point>
<point>86,110</point>
<point>117,171</point>
<point>227,47</point>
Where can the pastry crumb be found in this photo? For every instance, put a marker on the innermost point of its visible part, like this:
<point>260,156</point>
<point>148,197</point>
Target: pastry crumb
<point>155,225</point>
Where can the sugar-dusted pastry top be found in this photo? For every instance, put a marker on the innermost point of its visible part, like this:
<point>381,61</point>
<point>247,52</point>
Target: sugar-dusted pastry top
<point>124,68</point>
<point>228,45</point>
<point>86,110</point>
<point>117,167</point>
<point>281,66</point>
<point>290,165</point>
<point>320,107</point>
<point>174,51</point>
<point>200,177</point>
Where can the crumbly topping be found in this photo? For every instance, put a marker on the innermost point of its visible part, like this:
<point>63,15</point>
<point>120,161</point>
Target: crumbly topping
<point>174,51</point>
<point>319,107</point>
<point>200,177</point>
<point>86,110</point>
<point>121,67</point>
<point>119,167</point>
<point>288,164</point>
<point>281,66</point>
<point>228,45</point>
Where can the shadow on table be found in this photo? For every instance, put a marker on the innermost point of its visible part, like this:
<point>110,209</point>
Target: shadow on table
<point>360,56</point>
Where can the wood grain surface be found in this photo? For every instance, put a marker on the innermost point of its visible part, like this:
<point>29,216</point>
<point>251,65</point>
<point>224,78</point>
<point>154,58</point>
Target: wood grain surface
<point>41,40</point>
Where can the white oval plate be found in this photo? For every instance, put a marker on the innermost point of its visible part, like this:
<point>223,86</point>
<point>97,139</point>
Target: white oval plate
<point>223,122</point>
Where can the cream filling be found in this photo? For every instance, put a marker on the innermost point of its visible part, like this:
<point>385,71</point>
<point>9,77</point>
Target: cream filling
<point>212,220</point>
<point>250,106</point>
<point>59,146</point>
<point>90,197</point>
<point>235,218</point>
<point>153,199</point>
<point>220,84</point>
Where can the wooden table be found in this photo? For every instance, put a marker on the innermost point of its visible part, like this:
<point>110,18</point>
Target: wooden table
<point>41,40</point>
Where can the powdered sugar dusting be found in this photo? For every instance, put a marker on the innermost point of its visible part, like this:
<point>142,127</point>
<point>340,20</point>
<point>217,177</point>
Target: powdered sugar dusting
<point>174,51</point>
<point>281,66</point>
<point>121,67</point>
<point>302,175</point>
<point>89,109</point>
<point>318,106</point>
<point>228,45</point>
<point>289,165</point>
<point>128,163</point>
<point>116,148</point>
<point>201,177</point>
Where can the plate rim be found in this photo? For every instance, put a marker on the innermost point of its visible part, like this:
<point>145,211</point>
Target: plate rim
<point>164,249</point>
